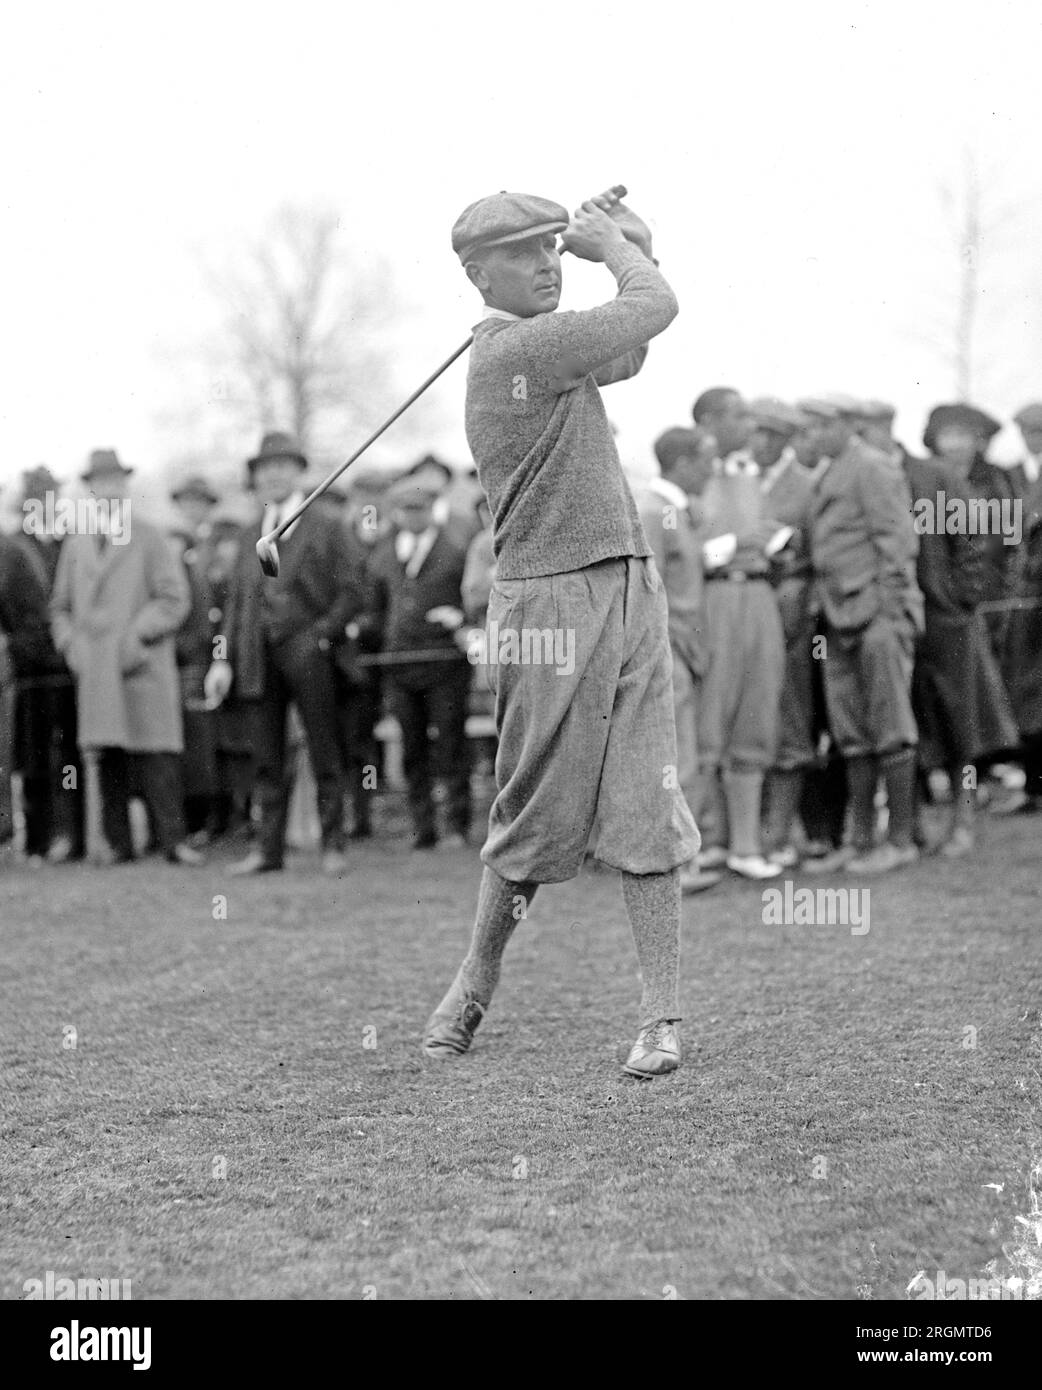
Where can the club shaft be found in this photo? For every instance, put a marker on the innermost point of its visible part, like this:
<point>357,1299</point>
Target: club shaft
<point>328,482</point>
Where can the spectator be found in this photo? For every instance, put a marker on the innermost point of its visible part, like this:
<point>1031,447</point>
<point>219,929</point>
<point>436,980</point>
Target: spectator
<point>418,607</point>
<point>278,636</point>
<point>119,599</point>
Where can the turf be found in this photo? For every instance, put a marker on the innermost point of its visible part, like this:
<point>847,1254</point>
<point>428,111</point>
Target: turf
<point>246,1114</point>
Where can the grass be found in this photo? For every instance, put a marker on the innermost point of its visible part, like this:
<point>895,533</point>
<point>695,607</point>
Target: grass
<point>835,1129</point>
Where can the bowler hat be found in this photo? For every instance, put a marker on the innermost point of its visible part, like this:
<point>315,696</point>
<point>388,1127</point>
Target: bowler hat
<point>277,445</point>
<point>959,413</point>
<point>195,485</point>
<point>103,463</point>
<point>503,217</point>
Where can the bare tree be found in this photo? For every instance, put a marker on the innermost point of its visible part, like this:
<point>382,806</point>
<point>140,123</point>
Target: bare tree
<point>302,342</point>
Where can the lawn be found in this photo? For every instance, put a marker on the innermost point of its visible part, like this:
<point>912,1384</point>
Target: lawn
<point>246,1113</point>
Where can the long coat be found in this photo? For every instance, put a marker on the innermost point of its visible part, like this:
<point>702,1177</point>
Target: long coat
<point>114,615</point>
<point>1023,653</point>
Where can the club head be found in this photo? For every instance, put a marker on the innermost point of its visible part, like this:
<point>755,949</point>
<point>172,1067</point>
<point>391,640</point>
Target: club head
<point>268,555</point>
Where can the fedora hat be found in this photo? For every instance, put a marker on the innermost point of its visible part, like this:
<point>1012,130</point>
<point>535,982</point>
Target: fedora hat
<point>277,445</point>
<point>195,485</point>
<point>104,463</point>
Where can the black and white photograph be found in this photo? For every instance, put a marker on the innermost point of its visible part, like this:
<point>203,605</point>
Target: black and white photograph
<point>521,671</point>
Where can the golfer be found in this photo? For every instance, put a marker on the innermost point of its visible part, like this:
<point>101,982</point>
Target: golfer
<point>590,742</point>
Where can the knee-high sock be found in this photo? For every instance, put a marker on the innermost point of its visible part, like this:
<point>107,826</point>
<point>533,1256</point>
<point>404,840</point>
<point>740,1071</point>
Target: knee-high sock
<point>743,792</point>
<point>501,905</point>
<point>862,776</point>
<point>653,904</point>
<point>899,774</point>
<point>784,788</point>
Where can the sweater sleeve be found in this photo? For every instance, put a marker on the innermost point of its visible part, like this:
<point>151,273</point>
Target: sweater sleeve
<point>572,345</point>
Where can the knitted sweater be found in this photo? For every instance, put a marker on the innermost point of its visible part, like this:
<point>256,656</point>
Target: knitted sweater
<point>538,432</point>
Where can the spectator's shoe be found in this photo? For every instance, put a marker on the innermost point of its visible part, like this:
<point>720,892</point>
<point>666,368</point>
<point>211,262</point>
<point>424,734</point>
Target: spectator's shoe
<point>695,880</point>
<point>959,843</point>
<point>786,858</point>
<point>656,1051</point>
<point>334,861</point>
<point>752,866</point>
<point>451,1028</point>
<point>883,859</point>
<point>254,863</point>
<point>457,840</point>
<point>830,863</point>
<point>712,857</point>
<point>425,840</point>
<point>186,855</point>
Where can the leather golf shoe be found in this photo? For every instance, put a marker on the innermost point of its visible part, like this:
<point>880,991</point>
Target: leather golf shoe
<point>656,1051</point>
<point>451,1028</point>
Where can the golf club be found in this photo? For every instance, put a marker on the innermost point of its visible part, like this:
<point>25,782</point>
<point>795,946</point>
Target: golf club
<point>267,546</point>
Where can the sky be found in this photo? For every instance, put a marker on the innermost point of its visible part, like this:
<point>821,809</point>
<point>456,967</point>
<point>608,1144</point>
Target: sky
<point>789,159</point>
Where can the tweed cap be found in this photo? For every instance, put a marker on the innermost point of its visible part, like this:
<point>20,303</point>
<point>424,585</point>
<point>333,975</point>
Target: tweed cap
<point>503,217</point>
<point>412,490</point>
<point>877,410</point>
<point>1029,417</point>
<point>770,413</point>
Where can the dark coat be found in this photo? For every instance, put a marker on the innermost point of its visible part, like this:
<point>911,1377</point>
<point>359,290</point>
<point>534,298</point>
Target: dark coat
<point>960,704</point>
<point>24,616</point>
<point>319,588</point>
<point>400,603</point>
<point>1022,658</point>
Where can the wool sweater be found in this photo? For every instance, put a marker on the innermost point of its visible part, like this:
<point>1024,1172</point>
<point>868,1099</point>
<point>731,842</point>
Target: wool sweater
<point>537,428</point>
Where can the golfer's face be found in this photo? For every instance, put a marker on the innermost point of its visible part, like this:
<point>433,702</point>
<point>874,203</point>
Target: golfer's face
<point>524,277</point>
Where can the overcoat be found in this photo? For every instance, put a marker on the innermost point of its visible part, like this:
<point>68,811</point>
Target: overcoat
<point>1022,663</point>
<point>114,614</point>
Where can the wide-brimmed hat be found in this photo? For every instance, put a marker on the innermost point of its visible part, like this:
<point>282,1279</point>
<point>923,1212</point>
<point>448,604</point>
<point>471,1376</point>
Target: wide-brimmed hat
<point>959,413</point>
<point>1029,417</point>
<point>195,485</point>
<point>104,463</point>
<point>277,445</point>
<point>37,481</point>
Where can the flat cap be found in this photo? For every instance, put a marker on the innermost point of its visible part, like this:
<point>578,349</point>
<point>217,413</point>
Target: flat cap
<point>770,413</point>
<point>1029,417</point>
<point>505,217</point>
<point>412,491</point>
<point>821,407</point>
<point>877,410</point>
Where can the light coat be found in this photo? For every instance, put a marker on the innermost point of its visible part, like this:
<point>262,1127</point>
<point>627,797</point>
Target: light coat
<point>114,615</point>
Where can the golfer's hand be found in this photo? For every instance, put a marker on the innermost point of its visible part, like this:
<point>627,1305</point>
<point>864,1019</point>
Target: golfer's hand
<point>591,233</point>
<point>632,227</point>
<point>217,682</point>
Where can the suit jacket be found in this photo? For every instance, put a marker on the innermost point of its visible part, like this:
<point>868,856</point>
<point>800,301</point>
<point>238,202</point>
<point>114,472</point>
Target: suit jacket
<point>400,601</point>
<point>863,545</point>
<point>24,616</point>
<point>319,588</point>
<point>113,617</point>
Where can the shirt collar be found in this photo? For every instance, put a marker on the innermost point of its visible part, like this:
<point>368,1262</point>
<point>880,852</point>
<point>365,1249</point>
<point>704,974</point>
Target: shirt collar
<point>488,312</point>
